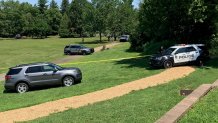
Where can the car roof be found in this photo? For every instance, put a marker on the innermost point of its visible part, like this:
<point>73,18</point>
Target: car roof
<point>186,45</point>
<point>74,45</point>
<point>31,64</point>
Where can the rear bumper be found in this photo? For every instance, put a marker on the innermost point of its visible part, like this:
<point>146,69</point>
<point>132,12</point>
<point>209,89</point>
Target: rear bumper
<point>9,86</point>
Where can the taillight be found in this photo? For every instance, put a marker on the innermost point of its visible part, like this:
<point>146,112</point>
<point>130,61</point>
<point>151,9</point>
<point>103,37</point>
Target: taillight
<point>7,77</point>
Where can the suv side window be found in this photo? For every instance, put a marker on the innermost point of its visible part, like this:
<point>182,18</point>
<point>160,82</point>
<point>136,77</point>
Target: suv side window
<point>181,50</point>
<point>190,49</point>
<point>72,46</point>
<point>48,68</point>
<point>35,69</point>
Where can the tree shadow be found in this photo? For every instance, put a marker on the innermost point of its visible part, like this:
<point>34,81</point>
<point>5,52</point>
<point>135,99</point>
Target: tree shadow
<point>142,62</point>
<point>94,42</point>
<point>213,62</point>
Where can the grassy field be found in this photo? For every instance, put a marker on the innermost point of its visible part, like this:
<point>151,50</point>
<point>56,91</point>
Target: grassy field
<point>13,52</point>
<point>96,76</point>
<point>142,106</point>
<point>205,111</point>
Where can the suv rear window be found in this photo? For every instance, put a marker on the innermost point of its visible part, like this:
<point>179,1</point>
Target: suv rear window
<point>67,47</point>
<point>14,71</point>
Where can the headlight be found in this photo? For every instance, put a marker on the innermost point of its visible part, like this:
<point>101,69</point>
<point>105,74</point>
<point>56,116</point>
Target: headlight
<point>158,58</point>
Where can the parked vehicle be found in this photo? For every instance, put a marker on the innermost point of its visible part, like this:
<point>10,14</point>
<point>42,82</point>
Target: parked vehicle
<point>124,38</point>
<point>22,77</point>
<point>78,50</point>
<point>180,55</point>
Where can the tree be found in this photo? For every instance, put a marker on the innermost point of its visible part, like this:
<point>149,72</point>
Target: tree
<point>42,6</point>
<point>181,21</point>
<point>64,6</point>
<point>80,15</point>
<point>64,31</point>
<point>53,5</point>
<point>53,18</point>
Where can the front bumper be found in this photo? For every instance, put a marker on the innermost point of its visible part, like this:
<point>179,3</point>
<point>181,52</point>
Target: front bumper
<point>155,63</point>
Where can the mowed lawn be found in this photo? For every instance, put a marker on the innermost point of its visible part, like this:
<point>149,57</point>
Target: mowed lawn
<point>205,111</point>
<point>14,52</point>
<point>96,76</point>
<point>145,106</point>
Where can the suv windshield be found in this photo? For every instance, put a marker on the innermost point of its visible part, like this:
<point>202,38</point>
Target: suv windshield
<point>57,66</point>
<point>14,71</point>
<point>168,51</point>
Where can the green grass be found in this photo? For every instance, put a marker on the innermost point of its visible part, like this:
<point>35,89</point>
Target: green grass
<point>205,111</point>
<point>13,52</point>
<point>97,76</point>
<point>147,105</point>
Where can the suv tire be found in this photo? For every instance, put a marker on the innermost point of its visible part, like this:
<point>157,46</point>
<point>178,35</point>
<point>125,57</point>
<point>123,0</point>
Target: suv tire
<point>68,81</point>
<point>22,87</point>
<point>84,53</point>
<point>167,64</point>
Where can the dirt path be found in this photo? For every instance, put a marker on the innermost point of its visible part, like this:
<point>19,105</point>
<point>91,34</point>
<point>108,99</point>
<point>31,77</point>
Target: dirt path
<point>73,57</point>
<point>48,108</point>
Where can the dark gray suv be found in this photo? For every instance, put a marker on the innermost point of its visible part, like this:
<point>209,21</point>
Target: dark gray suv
<point>23,77</point>
<point>78,49</point>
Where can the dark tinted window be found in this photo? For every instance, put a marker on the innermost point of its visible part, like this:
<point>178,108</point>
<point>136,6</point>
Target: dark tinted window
<point>35,69</point>
<point>181,50</point>
<point>72,46</point>
<point>168,51</point>
<point>48,68</point>
<point>190,49</point>
<point>14,71</point>
<point>67,47</point>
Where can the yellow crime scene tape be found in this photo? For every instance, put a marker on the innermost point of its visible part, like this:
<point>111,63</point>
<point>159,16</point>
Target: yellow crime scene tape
<point>107,60</point>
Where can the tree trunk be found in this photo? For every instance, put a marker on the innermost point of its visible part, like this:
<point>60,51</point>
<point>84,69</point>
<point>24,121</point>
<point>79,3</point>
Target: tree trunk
<point>100,37</point>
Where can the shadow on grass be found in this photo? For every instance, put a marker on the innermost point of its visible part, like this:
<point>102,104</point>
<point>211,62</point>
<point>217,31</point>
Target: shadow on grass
<point>213,62</point>
<point>39,88</point>
<point>137,62</point>
<point>94,42</point>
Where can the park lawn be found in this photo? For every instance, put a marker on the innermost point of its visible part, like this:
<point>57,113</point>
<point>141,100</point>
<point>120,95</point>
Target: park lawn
<point>147,105</point>
<point>14,52</point>
<point>205,111</point>
<point>96,76</point>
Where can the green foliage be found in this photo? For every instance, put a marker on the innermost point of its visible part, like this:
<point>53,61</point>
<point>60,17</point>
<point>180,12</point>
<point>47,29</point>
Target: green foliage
<point>53,4</point>
<point>64,6</point>
<point>181,21</point>
<point>42,6</point>
<point>53,18</point>
<point>64,31</point>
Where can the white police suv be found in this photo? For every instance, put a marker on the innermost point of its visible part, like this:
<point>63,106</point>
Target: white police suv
<point>179,55</point>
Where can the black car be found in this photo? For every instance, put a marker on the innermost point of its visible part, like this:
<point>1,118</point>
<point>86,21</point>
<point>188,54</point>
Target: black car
<point>78,50</point>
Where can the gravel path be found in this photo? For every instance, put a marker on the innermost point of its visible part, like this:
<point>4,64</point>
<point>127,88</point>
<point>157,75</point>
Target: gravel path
<point>73,57</point>
<point>45,109</point>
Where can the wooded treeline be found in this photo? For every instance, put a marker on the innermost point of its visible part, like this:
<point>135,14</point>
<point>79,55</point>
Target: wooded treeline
<point>80,18</point>
<point>181,21</point>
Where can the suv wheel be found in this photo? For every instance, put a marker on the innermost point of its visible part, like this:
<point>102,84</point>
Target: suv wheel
<point>168,64</point>
<point>84,53</point>
<point>22,87</point>
<point>68,81</point>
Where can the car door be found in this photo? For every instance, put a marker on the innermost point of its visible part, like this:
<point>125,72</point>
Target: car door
<point>51,75</point>
<point>73,49</point>
<point>192,53</point>
<point>180,56</point>
<point>34,75</point>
